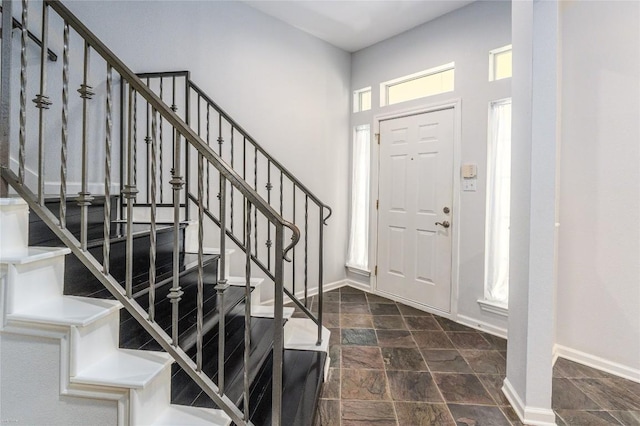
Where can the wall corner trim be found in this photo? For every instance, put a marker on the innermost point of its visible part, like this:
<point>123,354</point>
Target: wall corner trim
<point>528,415</point>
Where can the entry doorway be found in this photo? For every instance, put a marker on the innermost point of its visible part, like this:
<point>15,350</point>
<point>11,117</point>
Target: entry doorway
<point>415,210</point>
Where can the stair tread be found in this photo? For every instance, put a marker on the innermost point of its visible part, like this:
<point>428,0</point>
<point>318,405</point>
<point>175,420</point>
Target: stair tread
<point>191,416</point>
<point>67,310</point>
<point>124,368</point>
<point>303,373</point>
<point>242,281</point>
<point>33,254</point>
<point>302,334</point>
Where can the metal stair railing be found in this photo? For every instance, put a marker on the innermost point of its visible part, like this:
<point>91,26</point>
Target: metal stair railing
<point>282,190</point>
<point>98,106</point>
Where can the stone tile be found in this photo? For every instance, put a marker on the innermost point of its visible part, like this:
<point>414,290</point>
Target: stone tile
<point>366,413</point>
<point>448,325</point>
<point>485,362</point>
<point>610,394</point>
<point>590,418</point>
<point>374,298</point>
<point>368,357</point>
<point>331,388</point>
<point>331,320</point>
<point>493,384</point>
<point>497,343</point>
<point>573,370</point>
<point>363,384</point>
<point>383,309</point>
<point>331,296</point>
<point>627,418</point>
<point>566,395</point>
<point>632,388</point>
<point>334,339</point>
<point>511,415</point>
<point>445,361</point>
<point>413,386</point>
<point>422,323</point>
<point>395,339</point>
<point>299,314</point>
<point>331,308</point>
<point>356,321</point>
<point>352,290</point>
<point>328,413</point>
<point>359,336</point>
<point>389,322</point>
<point>355,308</point>
<point>353,298</point>
<point>462,388</point>
<point>403,359</point>
<point>335,352</point>
<point>432,339</point>
<point>464,340</point>
<point>478,415</point>
<point>420,414</point>
<point>408,310</point>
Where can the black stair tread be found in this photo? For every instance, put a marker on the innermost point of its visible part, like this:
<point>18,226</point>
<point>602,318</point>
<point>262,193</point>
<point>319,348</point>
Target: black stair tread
<point>186,391</point>
<point>302,379</point>
<point>134,336</point>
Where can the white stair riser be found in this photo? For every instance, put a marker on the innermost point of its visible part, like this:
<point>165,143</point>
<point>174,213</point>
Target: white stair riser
<point>94,341</point>
<point>14,227</point>
<point>33,283</point>
<point>163,214</point>
<point>148,402</point>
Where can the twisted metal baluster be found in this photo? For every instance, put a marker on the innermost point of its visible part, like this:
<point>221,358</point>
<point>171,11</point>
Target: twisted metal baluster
<point>255,212</point>
<point>306,247</point>
<point>160,147</point>
<point>281,192</point>
<point>130,191</point>
<point>65,127</point>
<point>244,176</point>
<point>320,268</point>
<point>247,311</point>
<point>107,176</point>
<point>84,196</point>
<point>208,191</point>
<point>222,285</point>
<point>42,101</point>
<point>200,296</point>
<point>231,207</point>
<point>269,187</point>
<point>176,292</point>
<point>135,138</point>
<point>152,236</point>
<point>23,91</point>
<point>293,253</point>
<point>147,140</point>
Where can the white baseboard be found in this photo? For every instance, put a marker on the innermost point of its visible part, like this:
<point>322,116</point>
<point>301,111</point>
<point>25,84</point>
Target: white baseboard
<point>312,292</point>
<point>482,326</point>
<point>598,363</point>
<point>528,415</point>
<point>357,285</point>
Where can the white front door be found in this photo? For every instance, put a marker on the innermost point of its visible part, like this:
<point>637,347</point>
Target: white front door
<point>415,208</point>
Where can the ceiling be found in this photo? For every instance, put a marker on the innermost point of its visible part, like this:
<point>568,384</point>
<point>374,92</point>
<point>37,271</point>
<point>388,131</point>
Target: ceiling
<point>355,24</point>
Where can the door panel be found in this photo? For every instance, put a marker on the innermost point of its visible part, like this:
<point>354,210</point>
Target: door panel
<point>415,184</point>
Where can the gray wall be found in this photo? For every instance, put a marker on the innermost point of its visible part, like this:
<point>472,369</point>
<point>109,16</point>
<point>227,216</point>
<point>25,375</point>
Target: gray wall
<point>465,37</point>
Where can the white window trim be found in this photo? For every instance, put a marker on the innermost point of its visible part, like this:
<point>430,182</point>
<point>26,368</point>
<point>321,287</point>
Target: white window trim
<point>498,308</point>
<point>356,98</point>
<point>492,61</point>
<point>384,86</point>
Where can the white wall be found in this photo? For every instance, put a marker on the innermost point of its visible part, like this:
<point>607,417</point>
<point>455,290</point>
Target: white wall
<point>598,290</point>
<point>286,88</point>
<point>465,37</point>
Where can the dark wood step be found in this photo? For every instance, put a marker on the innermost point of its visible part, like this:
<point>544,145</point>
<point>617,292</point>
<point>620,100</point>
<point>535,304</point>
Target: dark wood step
<point>302,380</point>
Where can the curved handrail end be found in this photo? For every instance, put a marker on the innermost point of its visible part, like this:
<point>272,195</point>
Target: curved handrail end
<point>295,238</point>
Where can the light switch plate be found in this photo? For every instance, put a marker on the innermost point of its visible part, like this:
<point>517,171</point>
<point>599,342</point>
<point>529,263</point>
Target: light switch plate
<point>469,185</point>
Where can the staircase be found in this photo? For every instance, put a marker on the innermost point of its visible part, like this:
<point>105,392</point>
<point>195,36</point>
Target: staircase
<point>149,283</point>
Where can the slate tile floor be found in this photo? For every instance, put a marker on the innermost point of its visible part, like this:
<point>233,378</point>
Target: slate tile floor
<point>395,365</point>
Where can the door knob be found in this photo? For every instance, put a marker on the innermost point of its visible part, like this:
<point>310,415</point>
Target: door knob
<point>444,224</point>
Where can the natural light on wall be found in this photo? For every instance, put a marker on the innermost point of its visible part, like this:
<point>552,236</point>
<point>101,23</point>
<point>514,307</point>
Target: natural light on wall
<point>498,203</point>
<point>500,65</point>
<point>358,256</point>
<point>425,83</point>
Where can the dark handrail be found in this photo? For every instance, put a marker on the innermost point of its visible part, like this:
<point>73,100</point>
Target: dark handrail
<point>17,24</point>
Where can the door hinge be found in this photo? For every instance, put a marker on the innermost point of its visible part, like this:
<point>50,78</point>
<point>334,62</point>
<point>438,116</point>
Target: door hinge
<point>377,204</point>
<point>378,138</point>
<point>375,272</point>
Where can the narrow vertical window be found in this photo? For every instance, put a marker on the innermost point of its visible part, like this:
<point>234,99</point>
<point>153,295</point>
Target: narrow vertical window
<point>358,256</point>
<point>362,100</point>
<point>498,203</point>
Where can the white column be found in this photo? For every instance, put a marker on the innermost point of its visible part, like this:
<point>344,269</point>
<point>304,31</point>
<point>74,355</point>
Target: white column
<point>535,144</point>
